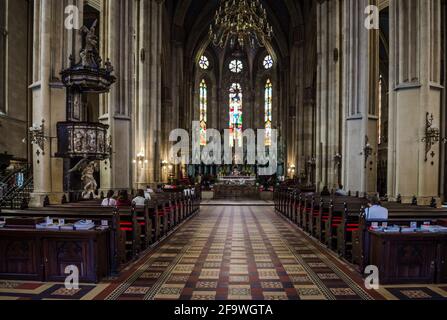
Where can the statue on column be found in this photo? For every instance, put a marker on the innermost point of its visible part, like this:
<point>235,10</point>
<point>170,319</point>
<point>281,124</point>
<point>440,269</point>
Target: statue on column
<point>90,55</point>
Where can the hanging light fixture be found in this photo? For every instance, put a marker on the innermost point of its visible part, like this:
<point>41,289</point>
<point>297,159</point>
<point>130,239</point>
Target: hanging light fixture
<point>240,21</point>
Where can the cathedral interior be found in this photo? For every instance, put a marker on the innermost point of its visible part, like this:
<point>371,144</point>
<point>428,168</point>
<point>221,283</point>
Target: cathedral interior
<point>348,97</point>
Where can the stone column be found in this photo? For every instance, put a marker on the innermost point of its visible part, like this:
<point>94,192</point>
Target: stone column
<point>307,108</point>
<point>415,92</point>
<point>328,92</point>
<point>359,98</point>
<point>118,46</point>
<point>148,90</point>
<point>53,45</point>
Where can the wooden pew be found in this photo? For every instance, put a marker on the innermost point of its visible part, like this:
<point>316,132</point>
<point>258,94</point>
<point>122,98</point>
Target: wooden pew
<point>311,213</point>
<point>340,206</point>
<point>361,243</point>
<point>163,214</point>
<point>322,217</point>
<point>314,216</point>
<point>129,224</point>
<point>176,205</point>
<point>300,209</point>
<point>117,254</point>
<point>135,223</point>
<point>294,207</point>
<point>280,196</point>
<point>397,212</point>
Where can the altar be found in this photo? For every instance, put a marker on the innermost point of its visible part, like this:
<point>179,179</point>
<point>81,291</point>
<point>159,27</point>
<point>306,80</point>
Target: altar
<point>236,192</point>
<point>236,187</point>
<point>237,180</point>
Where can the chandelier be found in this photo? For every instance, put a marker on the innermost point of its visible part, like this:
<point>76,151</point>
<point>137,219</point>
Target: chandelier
<point>240,21</point>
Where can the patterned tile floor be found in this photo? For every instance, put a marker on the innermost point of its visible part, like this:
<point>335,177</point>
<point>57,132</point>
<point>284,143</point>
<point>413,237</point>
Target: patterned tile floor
<point>231,252</point>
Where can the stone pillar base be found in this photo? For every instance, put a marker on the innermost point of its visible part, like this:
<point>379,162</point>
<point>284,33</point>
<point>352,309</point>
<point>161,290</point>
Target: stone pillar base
<point>37,199</point>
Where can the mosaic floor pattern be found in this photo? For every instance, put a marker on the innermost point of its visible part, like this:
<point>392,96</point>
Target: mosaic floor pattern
<point>231,252</point>
<point>240,253</point>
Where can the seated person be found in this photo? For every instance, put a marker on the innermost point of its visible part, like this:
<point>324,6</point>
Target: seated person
<point>140,199</point>
<point>340,191</point>
<point>375,211</point>
<point>148,192</point>
<point>109,201</point>
<point>123,199</point>
<point>325,192</point>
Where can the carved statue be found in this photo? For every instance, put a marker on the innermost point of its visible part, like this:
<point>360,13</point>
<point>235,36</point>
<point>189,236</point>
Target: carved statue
<point>88,169</point>
<point>89,55</point>
<point>90,184</point>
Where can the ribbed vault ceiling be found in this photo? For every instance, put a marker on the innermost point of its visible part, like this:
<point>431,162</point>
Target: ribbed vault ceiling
<point>193,17</point>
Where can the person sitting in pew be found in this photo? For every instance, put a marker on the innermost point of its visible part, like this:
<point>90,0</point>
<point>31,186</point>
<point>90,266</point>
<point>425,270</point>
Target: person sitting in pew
<point>148,192</point>
<point>109,201</point>
<point>123,199</point>
<point>341,192</point>
<point>140,199</point>
<point>325,191</point>
<point>375,211</point>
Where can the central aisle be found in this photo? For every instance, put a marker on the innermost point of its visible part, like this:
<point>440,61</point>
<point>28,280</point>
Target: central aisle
<point>244,252</point>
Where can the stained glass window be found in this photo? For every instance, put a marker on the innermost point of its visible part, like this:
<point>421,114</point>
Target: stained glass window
<point>268,112</point>
<point>268,62</point>
<point>204,63</point>
<point>236,66</point>
<point>236,119</point>
<point>203,111</point>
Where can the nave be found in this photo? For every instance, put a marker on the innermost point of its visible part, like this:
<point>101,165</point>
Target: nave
<point>230,253</point>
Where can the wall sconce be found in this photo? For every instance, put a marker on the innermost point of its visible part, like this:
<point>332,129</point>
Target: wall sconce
<point>109,148</point>
<point>311,163</point>
<point>368,150</point>
<point>37,137</point>
<point>432,135</point>
<point>291,170</point>
<point>338,159</point>
<point>140,160</point>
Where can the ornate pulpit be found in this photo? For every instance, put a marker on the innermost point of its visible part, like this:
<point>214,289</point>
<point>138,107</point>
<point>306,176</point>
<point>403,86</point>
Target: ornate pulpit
<point>84,143</point>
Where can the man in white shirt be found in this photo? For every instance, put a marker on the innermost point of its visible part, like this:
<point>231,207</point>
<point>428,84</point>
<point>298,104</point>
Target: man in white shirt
<point>375,212</point>
<point>341,192</point>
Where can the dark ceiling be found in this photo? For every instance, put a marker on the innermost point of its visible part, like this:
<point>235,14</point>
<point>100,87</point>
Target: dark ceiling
<point>196,9</point>
<point>193,17</point>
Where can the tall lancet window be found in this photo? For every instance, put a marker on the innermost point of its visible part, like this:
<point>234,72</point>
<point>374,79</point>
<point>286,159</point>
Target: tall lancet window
<point>268,112</point>
<point>203,111</point>
<point>236,119</point>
